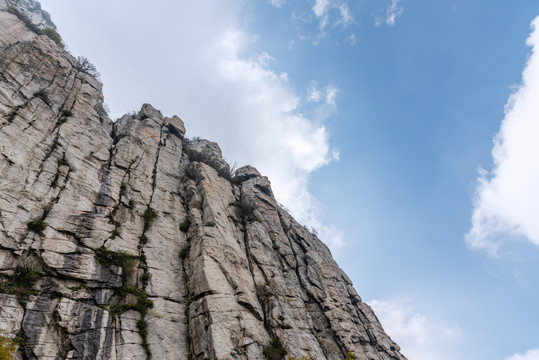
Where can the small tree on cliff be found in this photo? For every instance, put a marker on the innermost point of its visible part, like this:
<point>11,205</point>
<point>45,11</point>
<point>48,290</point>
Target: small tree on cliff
<point>84,65</point>
<point>275,350</point>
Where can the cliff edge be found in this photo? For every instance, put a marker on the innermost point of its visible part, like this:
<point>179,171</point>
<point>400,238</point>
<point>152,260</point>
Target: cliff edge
<point>126,240</point>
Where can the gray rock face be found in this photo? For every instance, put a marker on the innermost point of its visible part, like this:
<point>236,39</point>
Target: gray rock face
<point>127,241</point>
<point>32,10</point>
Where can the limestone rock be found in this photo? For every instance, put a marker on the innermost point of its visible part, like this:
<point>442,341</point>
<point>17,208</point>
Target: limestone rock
<point>11,315</point>
<point>32,10</point>
<point>127,240</point>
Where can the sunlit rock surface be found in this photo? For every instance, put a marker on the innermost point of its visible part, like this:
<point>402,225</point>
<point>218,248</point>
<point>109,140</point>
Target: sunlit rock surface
<point>126,240</point>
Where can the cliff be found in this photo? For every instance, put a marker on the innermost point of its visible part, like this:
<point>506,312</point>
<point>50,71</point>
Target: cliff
<point>126,240</point>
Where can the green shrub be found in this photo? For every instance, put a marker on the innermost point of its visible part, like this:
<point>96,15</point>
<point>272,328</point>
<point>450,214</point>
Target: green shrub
<point>142,327</point>
<point>185,225</point>
<point>142,305</point>
<point>20,338</point>
<point>20,283</point>
<point>149,217</point>
<point>142,296</point>
<point>37,226</point>
<point>66,113</point>
<point>143,239</point>
<point>108,258</point>
<point>145,278</point>
<point>53,35</point>
<point>184,253</point>
<point>210,224</point>
<point>131,204</point>
<point>43,95</point>
<point>124,260</point>
<point>116,232</point>
<point>275,350</point>
<point>26,276</point>
<point>350,356</point>
<point>76,288</point>
<point>11,116</point>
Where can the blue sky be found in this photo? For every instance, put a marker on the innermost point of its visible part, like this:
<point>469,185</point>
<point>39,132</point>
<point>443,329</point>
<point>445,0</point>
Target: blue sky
<point>372,119</point>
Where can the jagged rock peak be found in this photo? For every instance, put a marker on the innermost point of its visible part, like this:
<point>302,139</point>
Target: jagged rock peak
<point>126,240</point>
<point>32,10</point>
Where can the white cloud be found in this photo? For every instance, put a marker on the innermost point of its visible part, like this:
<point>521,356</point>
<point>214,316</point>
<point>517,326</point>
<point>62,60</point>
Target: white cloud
<point>332,13</point>
<point>321,7</point>
<point>264,59</point>
<point>198,62</point>
<point>506,203</point>
<point>418,336</point>
<point>353,39</point>
<point>530,355</point>
<point>390,14</point>
<point>313,92</point>
<point>331,94</point>
<point>277,3</point>
<point>346,15</point>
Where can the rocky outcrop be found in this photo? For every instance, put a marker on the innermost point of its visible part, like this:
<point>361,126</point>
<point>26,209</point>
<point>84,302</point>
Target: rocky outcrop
<point>32,10</point>
<point>126,240</point>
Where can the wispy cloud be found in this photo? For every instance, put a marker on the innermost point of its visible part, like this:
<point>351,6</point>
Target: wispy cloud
<point>277,3</point>
<point>331,14</point>
<point>352,39</point>
<point>529,355</point>
<point>313,92</point>
<point>390,15</point>
<point>346,15</point>
<point>331,94</point>
<point>417,335</point>
<point>321,7</point>
<point>506,203</point>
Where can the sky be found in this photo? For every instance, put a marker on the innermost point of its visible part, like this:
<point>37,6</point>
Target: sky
<point>403,131</point>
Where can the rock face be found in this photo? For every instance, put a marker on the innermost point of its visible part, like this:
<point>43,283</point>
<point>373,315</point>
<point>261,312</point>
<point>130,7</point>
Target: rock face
<point>126,240</point>
<point>32,10</point>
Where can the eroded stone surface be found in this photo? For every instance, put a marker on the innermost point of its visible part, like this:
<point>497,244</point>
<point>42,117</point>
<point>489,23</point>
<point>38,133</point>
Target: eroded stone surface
<point>147,244</point>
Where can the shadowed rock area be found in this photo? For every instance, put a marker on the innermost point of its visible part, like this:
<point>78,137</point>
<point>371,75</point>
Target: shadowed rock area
<point>126,240</point>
